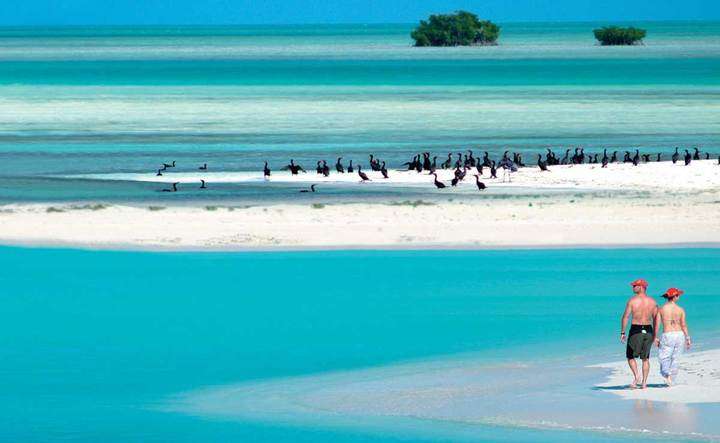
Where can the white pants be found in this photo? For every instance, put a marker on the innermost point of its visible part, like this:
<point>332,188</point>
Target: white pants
<point>671,348</point>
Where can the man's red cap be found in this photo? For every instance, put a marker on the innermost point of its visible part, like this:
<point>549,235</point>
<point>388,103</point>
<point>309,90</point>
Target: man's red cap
<point>673,292</point>
<point>640,282</point>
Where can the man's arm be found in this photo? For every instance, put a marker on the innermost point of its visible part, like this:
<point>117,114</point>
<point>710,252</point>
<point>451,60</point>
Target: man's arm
<point>624,321</point>
<point>683,324</point>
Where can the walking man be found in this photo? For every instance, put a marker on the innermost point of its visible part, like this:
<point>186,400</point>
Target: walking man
<point>675,335</point>
<point>643,311</point>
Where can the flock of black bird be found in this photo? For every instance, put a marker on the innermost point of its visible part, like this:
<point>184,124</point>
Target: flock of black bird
<point>464,162</point>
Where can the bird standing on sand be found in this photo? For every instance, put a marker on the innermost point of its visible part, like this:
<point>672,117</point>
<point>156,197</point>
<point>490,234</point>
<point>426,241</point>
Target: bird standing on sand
<point>493,170</point>
<point>294,169</point>
<point>696,156</point>
<point>350,168</point>
<point>688,157</point>
<point>541,163</point>
<point>675,156</point>
<point>325,169</point>
<point>383,170</point>
<point>339,167</point>
<point>480,185</point>
<point>159,173</point>
<point>363,176</point>
<point>202,184</point>
<point>438,183</point>
<point>266,171</point>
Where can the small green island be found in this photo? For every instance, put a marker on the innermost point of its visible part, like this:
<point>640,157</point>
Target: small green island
<point>615,35</point>
<point>460,29</point>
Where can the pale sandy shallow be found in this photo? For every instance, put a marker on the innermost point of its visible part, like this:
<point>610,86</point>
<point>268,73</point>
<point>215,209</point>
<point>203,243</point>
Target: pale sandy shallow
<point>561,395</point>
<point>698,380</point>
<point>674,205</point>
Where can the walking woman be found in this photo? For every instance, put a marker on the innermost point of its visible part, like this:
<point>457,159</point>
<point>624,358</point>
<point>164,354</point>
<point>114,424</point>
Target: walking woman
<point>675,335</point>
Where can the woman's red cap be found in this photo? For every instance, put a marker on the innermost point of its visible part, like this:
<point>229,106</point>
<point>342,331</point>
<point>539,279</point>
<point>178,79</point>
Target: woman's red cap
<point>640,282</point>
<point>673,292</point>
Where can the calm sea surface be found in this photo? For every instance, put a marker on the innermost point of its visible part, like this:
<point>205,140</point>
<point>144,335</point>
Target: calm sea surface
<point>78,101</point>
<point>93,344</point>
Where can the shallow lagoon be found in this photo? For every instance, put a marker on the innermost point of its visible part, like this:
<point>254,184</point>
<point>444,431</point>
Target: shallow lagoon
<point>97,344</point>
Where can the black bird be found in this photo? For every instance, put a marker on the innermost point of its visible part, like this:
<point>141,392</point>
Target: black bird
<point>171,165</point>
<point>203,167</point>
<point>312,189</point>
<point>426,161</point>
<point>411,164</point>
<point>454,181</point>
<point>613,158</point>
<point>418,165</point>
<point>374,165</point>
<point>688,157</point>
<point>564,160</point>
<point>486,160</point>
<point>350,168</point>
<point>325,169</point>
<point>319,168</point>
<point>696,156</point>
<point>480,185</point>
<point>479,168</point>
<point>658,157</point>
<point>174,188</point>
<point>266,171</point>
<point>675,156</point>
<point>627,158</point>
<point>159,173</point>
<point>493,170</point>
<point>541,163</point>
<point>339,167</point>
<point>605,158</point>
<point>446,164</point>
<point>433,165</point>
<point>636,158</point>
<point>294,169</point>
<point>363,176</point>
<point>438,183</point>
<point>707,156</point>
<point>458,162</point>
<point>383,170</point>
<point>646,158</point>
<point>202,184</point>
<point>473,161</point>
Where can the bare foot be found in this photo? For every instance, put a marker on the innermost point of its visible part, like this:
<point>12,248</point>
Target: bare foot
<point>644,386</point>
<point>634,384</point>
<point>668,381</point>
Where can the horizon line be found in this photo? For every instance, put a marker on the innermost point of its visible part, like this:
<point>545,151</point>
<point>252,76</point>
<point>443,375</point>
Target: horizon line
<point>358,23</point>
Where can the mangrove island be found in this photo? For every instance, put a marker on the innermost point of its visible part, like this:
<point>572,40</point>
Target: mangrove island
<point>460,29</point>
<point>615,35</point>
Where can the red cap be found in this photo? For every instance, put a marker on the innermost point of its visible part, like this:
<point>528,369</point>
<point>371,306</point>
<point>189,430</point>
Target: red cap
<point>673,292</point>
<point>640,282</point>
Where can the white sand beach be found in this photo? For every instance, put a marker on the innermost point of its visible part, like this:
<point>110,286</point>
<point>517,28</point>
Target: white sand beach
<point>698,380</point>
<point>674,205</point>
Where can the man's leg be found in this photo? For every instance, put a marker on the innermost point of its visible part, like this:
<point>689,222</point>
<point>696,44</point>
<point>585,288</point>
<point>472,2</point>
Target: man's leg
<point>633,367</point>
<point>646,371</point>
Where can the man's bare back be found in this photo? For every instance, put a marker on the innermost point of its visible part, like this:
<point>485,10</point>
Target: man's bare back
<point>642,309</point>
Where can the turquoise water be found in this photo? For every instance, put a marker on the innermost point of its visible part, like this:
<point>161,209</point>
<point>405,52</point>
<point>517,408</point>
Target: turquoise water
<point>94,344</point>
<point>77,101</point>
